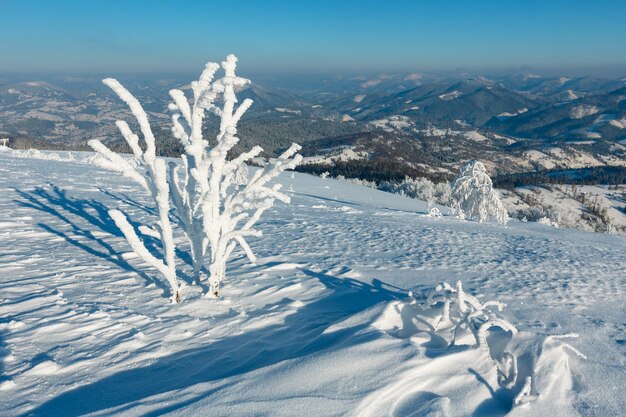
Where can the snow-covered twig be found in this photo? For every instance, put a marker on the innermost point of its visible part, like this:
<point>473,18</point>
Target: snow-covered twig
<point>524,392</point>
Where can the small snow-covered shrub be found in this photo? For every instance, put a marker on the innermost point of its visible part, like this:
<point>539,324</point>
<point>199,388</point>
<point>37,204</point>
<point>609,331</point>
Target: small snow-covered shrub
<point>216,201</point>
<point>457,314</point>
<point>435,213</point>
<point>531,214</point>
<point>358,181</point>
<point>546,221</point>
<point>443,194</point>
<point>459,318</point>
<point>419,188</point>
<point>554,215</point>
<point>48,156</point>
<point>474,193</point>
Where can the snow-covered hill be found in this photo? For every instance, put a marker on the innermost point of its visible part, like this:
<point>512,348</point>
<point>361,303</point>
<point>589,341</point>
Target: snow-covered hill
<point>323,325</point>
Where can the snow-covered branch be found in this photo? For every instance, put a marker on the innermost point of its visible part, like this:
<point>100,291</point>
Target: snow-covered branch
<point>151,175</point>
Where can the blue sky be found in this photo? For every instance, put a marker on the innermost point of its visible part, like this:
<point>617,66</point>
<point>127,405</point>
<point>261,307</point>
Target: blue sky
<point>310,36</point>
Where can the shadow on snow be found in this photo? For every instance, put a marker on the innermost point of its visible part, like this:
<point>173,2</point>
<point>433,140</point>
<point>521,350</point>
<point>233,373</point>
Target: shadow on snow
<point>303,333</point>
<point>66,208</point>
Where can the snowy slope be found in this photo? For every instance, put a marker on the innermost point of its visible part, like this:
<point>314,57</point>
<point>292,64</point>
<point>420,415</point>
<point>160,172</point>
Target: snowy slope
<point>320,327</point>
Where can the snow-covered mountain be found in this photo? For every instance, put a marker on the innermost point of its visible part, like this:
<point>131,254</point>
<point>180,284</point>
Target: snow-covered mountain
<point>591,118</point>
<point>474,101</point>
<point>426,125</point>
<point>327,322</point>
<point>68,114</point>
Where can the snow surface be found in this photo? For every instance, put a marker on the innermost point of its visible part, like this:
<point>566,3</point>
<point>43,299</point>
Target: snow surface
<point>475,136</point>
<point>394,122</point>
<point>621,123</point>
<point>284,110</point>
<point>505,114</point>
<point>321,326</point>
<point>579,112</point>
<point>450,96</point>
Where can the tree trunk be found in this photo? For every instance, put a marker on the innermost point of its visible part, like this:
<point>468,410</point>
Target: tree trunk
<point>197,252</point>
<point>218,270</point>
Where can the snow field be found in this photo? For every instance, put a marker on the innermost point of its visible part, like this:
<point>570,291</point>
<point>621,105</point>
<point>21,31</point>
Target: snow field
<point>322,325</point>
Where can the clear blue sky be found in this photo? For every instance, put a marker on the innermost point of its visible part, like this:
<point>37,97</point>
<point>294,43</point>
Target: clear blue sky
<point>309,36</point>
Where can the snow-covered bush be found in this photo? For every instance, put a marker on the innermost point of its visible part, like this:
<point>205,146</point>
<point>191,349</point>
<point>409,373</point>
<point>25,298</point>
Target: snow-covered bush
<point>456,317</point>
<point>47,155</point>
<point>475,195</point>
<point>456,314</point>
<point>216,201</point>
<point>538,210</point>
<point>419,188</point>
<point>531,213</point>
<point>546,221</point>
<point>443,194</point>
<point>435,213</point>
<point>358,181</point>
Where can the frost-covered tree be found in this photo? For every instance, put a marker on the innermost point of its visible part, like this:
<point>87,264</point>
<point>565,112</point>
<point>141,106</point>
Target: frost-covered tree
<point>475,196</point>
<point>217,203</point>
<point>419,188</point>
<point>443,193</point>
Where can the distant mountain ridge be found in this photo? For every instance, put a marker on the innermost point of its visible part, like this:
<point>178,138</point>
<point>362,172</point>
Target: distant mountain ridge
<point>428,124</point>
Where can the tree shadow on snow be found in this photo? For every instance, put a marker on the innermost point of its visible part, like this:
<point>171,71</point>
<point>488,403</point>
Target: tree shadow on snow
<point>75,212</point>
<point>4,354</point>
<point>124,198</point>
<point>303,333</point>
<point>353,203</point>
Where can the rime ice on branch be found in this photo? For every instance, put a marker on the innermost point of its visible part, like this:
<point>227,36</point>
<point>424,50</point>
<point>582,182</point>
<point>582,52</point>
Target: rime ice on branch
<point>217,203</point>
<point>152,177</point>
<point>475,196</point>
